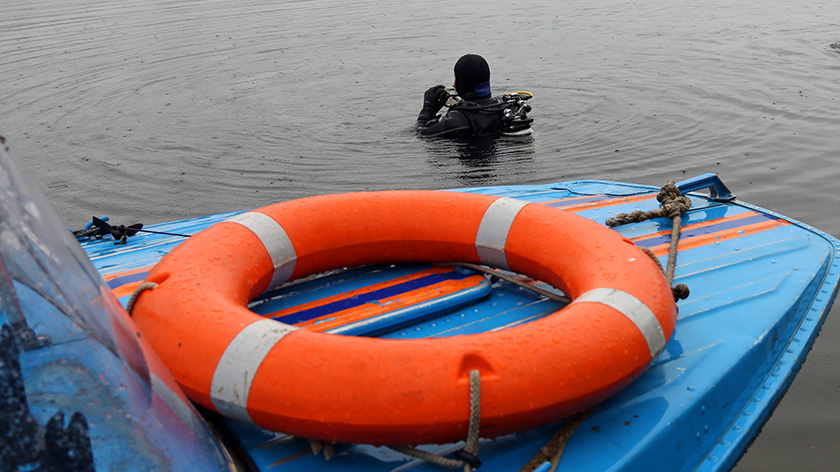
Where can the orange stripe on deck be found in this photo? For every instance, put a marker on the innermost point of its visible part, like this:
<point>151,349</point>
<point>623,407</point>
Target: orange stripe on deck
<point>701,224</point>
<point>110,277</point>
<point>600,204</point>
<point>732,233</point>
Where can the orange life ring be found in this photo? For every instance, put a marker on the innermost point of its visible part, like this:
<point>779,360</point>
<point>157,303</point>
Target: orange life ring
<point>379,391</point>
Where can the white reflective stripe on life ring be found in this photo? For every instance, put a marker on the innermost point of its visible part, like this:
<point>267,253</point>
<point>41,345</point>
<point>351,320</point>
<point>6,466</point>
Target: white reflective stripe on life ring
<point>276,242</point>
<point>634,309</point>
<point>236,369</point>
<point>492,232</point>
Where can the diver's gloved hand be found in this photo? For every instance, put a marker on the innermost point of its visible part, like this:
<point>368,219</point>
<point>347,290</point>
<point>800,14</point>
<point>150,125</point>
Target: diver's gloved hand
<point>433,101</point>
<point>435,97</point>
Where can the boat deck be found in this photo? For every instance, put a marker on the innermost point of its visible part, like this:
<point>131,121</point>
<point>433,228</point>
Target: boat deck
<point>761,285</point>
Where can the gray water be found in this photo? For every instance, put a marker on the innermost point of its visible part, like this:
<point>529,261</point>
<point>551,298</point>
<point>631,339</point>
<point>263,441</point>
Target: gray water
<point>160,110</point>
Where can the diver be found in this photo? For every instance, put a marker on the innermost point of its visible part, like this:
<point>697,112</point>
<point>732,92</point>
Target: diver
<point>473,111</point>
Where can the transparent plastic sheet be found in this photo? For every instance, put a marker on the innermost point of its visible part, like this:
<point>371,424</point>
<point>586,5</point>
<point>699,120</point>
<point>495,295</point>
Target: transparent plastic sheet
<point>69,353</point>
<point>41,255</point>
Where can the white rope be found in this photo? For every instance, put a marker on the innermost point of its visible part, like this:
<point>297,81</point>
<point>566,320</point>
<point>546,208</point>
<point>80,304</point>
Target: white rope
<point>140,289</point>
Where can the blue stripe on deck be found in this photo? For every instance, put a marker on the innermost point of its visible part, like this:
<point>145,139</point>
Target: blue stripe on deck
<point>361,299</point>
<point>126,279</point>
<point>702,231</point>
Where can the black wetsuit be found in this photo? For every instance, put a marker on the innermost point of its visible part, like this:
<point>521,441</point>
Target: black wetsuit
<point>476,117</point>
<point>476,113</point>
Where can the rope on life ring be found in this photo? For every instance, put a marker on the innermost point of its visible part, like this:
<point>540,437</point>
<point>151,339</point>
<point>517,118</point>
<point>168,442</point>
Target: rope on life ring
<point>129,306</point>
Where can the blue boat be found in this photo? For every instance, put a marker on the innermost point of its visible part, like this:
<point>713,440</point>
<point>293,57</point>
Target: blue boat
<point>760,286</point>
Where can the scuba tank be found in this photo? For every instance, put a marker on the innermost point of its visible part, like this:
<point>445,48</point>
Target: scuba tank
<point>514,120</point>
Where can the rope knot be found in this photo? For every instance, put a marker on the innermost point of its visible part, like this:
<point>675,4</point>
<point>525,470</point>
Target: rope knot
<point>681,292</point>
<point>470,459</point>
<point>673,201</point>
<point>668,191</point>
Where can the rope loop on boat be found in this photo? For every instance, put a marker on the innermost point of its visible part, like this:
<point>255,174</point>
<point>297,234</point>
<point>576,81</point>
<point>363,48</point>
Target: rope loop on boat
<point>674,204</point>
<point>468,456</point>
<point>140,289</point>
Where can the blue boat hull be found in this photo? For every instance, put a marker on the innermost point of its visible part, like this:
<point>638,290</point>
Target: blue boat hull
<point>761,285</point>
